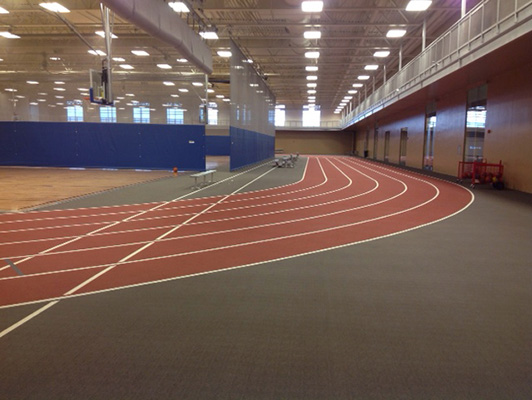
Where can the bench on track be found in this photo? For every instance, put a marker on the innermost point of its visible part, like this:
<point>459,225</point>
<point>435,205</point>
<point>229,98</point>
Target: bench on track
<point>203,174</point>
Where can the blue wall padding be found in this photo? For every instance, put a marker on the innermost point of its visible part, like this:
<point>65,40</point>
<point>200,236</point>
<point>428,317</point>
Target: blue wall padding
<point>218,145</point>
<point>249,147</point>
<point>79,144</point>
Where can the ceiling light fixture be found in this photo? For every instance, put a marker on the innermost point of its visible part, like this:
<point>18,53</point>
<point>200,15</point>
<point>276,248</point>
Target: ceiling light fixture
<point>182,60</point>
<point>224,53</point>
<point>209,35</point>
<point>167,83</point>
<point>32,82</point>
<point>381,53</point>
<point>371,67</point>
<point>396,33</point>
<point>164,66</point>
<point>312,6</point>
<point>3,11</point>
<point>97,53</point>
<point>312,35</point>
<point>126,66</point>
<point>312,54</point>
<point>102,34</point>
<point>311,68</point>
<point>9,35</point>
<point>140,53</point>
<point>418,5</point>
<point>54,7</point>
<point>179,6</point>
<point>363,77</point>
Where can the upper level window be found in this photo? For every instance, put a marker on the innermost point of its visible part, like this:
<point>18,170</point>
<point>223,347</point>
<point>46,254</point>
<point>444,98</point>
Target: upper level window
<point>175,116</point>
<point>107,114</point>
<point>311,116</point>
<point>74,113</point>
<point>280,115</point>
<point>141,115</point>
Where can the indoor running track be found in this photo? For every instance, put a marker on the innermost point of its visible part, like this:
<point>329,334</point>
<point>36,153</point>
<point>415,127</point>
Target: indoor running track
<point>339,201</point>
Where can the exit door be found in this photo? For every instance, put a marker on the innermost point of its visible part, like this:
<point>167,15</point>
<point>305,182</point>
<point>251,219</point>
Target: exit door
<point>402,146</point>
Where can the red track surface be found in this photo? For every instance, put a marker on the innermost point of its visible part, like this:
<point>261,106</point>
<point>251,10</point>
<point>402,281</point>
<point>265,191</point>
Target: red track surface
<point>339,201</point>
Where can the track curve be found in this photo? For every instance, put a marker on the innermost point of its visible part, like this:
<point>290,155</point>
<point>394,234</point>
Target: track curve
<point>339,201</point>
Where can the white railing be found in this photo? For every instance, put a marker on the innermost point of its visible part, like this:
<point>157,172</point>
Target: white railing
<point>298,124</point>
<point>488,21</point>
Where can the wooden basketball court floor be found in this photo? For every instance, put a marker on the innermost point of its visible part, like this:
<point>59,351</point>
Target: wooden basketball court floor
<point>25,188</point>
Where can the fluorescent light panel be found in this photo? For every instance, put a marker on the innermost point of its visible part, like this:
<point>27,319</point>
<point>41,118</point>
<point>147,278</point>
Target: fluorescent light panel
<point>381,53</point>
<point>312,6</point>
<point>311,68</point>
<point>312,54</point>
<point>372,67</point>
<point>164,66</point>
<point>3,11</point>
<point>396,33</point>
<point>140,53</point>
<point>102,34</point>
<point>179,6</point>
<point>312,34</point>
<point>54,7</point>
<point>224,53</point>
<point>97,53</point>
<point>418,5</point>
<point>9,35</point>
<point>211,35</point>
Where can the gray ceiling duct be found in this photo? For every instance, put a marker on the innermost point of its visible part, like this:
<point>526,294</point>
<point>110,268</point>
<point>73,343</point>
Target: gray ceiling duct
<point>157,19</point>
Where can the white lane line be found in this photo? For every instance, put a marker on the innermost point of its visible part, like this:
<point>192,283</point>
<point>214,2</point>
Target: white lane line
<point>26,319</point>
<point>124,259</point>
